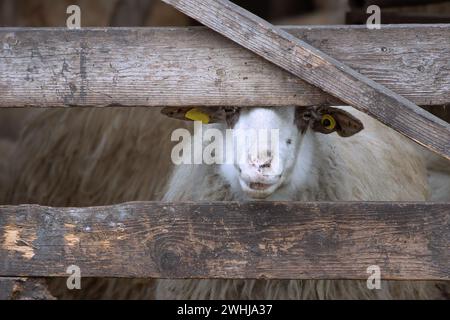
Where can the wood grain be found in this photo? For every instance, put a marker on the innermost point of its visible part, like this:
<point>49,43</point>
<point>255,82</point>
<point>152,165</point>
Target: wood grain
<point>24,289</point>
<point>321,70</point>
<point>196,66</point>
<point>280,240</point>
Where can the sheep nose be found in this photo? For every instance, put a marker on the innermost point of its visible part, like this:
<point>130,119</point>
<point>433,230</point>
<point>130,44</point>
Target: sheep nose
<point>261,162</point>
<point>266,164</point>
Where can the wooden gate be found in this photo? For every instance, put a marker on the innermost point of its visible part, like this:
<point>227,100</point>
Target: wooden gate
<point>408,65</point>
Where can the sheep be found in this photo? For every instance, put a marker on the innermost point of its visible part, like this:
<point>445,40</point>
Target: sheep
<point>438,167</point>
<point>6,147</point>
<point>91,157</point>
<point>326,13</point>
<point>11,121</point>
<point>318,161</point>
<point>326,166</point>
<point>438,177</point>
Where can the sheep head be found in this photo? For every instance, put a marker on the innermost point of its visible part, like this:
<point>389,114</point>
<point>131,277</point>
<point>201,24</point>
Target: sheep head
<point>261,165</point>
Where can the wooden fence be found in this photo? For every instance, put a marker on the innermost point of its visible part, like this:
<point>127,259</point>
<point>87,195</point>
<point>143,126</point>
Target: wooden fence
<point>194,66</point>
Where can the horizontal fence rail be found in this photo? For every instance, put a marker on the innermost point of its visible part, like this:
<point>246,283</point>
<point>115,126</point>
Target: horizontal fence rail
<point>278,240</point>
<point>24,289</point>
<point>196,66</point>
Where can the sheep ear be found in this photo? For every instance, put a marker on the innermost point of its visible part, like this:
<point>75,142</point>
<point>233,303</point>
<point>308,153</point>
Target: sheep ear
<point>329,120</point>
<point>347,124</point>
<point>205,115</point>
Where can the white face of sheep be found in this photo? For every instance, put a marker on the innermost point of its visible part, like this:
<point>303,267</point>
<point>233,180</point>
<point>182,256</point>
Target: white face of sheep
<point>260,173</point>
<point>267,141</point>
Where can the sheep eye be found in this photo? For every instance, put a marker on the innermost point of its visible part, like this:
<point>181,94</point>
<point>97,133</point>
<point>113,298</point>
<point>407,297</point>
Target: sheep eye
<point>307,116</point>
<point>231,116</point>
<point>289,141</point>
<point>328,122</point>
<point>230,110</point>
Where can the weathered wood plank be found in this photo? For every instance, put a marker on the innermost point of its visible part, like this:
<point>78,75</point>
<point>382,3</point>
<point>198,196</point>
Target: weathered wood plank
<point>320,70</point>
<point>228,240</point>
<point>24,289</point>
<point>196,66</point>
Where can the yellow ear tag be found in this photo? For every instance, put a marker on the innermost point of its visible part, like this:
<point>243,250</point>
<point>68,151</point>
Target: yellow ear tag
<point>328,122</point>
<point>197,115</point>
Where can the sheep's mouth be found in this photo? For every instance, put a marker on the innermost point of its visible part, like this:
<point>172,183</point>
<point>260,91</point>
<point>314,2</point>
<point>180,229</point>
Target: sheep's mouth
<point>259,190</point>
<point>259,186</point>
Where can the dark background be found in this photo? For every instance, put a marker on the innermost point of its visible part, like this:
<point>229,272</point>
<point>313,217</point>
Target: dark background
<point>51,13</point>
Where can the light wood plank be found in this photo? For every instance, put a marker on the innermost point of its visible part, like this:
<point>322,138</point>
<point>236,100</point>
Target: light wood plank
<point>196,66</point>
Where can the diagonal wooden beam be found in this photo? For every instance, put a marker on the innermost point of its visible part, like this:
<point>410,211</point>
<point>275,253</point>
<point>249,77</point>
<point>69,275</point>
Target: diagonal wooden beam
<point>321,70</point>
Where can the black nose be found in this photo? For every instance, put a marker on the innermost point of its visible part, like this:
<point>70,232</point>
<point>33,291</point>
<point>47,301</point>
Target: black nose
<point>265,165</point>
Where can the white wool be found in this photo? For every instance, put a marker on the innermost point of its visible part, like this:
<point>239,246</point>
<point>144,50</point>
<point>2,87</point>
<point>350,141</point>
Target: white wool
<point>438,176</point>
<point>91,157</point>
<point>295,290</point>
<point>375,165</point>
<point>6,147</point>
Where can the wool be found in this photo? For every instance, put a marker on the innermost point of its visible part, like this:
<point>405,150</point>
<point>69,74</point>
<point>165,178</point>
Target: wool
<point>438,177</point>
<point>6,147</point>
<point>91,157</point>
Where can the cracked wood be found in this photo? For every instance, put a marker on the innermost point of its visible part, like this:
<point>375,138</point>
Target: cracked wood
<point>196,66</point>
<point>280,240</point>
